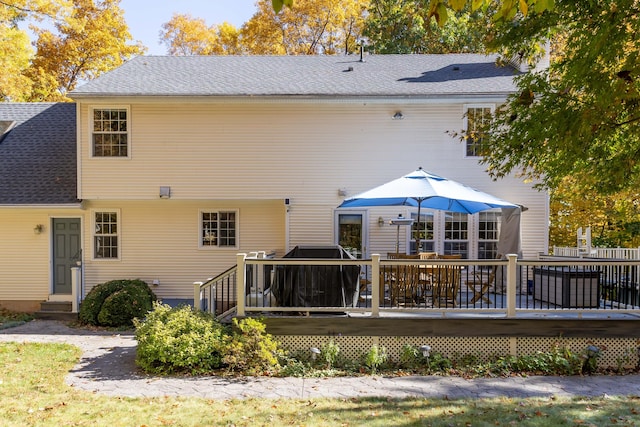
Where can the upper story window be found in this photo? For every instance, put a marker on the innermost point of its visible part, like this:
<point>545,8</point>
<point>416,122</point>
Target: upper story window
<point>218,229</point>
<point>476,118</point>
<point>110,132</point>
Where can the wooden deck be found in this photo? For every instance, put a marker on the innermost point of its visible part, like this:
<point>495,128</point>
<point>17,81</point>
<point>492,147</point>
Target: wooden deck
<point>528,298</point>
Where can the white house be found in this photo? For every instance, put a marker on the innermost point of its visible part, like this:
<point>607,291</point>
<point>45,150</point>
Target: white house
<point>167,167</point>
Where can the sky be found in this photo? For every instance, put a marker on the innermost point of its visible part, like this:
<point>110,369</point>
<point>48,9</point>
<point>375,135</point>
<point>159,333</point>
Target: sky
<point>145,17</point>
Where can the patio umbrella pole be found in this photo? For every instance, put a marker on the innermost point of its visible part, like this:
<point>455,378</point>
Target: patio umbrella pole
<point>419,200</point>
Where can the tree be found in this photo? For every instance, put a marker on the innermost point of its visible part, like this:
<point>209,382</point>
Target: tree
<point>15,49</point>
<point>614,219</point>
<point>440,9</point>
<point>581,116</point>
<point>91,40</point>
<point>400,26</point>
<point>14,55</point>
<point>88,38</point>
<point>185,35</point>
<point>309,27</point>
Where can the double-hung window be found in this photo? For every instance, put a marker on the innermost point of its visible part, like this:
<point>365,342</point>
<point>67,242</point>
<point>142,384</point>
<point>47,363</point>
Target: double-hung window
<point>488,234</point>
<point>218,229</point>
<point>456,234</point>
<point>110,132</point>
<point>105,235</point>
<point>425,232</point>
<point>476,117</point>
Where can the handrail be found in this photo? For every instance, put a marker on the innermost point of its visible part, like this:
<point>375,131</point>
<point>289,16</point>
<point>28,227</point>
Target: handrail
<point>204,293</point>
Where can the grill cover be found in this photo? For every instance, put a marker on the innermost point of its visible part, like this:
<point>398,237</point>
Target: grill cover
<point>317,285</point>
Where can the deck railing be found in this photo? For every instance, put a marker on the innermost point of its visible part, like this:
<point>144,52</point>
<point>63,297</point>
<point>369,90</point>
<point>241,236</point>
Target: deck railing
<point>494,287</point>
<point>606,253</point>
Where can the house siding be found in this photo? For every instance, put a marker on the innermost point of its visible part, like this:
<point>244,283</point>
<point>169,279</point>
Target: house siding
<point>160,240</point>
<point>26,256</point>
<point>302,151</point>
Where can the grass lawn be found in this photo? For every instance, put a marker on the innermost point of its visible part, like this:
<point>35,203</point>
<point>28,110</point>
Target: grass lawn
<point>33,393</point>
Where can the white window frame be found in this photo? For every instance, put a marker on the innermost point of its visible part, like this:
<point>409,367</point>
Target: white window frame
<point>117,234</point>
<point>469,232</point>
<point>497,222</point>
<point>201,230</point>
<point>465,123</point>
<point>412,229</point>
<point>92,110</point>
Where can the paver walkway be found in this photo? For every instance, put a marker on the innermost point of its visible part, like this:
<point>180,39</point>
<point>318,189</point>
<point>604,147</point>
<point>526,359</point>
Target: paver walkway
<point>108,367</point>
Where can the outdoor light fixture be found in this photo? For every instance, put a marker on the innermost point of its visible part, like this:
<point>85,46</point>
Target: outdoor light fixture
<point>165,192</point>
<point>380,221</point>
<point>398,115</point>
<point>38,229</point>
<point>342,192</point>
<point>426,350</point>
<point>314,352</point>
<point>156,282</point>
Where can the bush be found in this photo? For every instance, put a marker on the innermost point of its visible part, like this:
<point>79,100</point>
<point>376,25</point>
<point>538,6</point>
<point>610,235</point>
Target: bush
<point>250,349</point>
<point>179,340</point>
<point>116,303</point>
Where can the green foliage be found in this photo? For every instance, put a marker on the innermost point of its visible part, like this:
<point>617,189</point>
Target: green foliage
<point>581,116</point>
<point>250,349</point>
<point>179,340</point>
<point>374,358</point>
<point>410,357</point>
<point>403,27</point>
<point>116,303</point>
<point>329,353</point>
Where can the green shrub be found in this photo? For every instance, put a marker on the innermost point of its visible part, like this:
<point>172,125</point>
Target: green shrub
<point>250,349</point>
<point>374,358</point>
<point>179,340</point>
<point>116,303</point>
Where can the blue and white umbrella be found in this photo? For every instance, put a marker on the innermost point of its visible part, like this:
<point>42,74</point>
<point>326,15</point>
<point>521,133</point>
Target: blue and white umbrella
<point>423,189</point>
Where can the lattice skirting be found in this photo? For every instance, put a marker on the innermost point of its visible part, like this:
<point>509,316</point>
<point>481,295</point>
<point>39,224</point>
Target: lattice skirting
<point>614,351</point>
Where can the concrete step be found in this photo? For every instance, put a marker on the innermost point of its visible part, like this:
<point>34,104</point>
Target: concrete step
<point>64,316</point>
<point>56,310</point>
<point>64,306</point>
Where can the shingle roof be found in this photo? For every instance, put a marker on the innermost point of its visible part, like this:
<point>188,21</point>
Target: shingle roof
<point>38,156</point>
<point>377,75</point>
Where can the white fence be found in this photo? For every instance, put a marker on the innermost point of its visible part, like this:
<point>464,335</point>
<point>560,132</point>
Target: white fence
<point>604,253</point>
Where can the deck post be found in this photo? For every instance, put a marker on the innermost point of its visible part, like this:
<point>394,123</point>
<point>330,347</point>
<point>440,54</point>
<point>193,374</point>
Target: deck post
<point>512,270</point>
<point>241,285</point>
<point>76,281</point>
<point>375,285</point>
<point>197,301</point>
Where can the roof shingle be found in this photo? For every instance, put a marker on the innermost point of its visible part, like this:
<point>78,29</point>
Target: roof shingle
<point>377,75</point>
<point>38,156</point>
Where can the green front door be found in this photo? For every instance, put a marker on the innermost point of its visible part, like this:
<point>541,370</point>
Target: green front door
<point>66,251</point>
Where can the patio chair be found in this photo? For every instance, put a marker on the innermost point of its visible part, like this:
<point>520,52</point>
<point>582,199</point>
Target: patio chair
<point>424,275</point>
<point>446,285</point>
<point>402,280</point>
<point>481,284</point>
